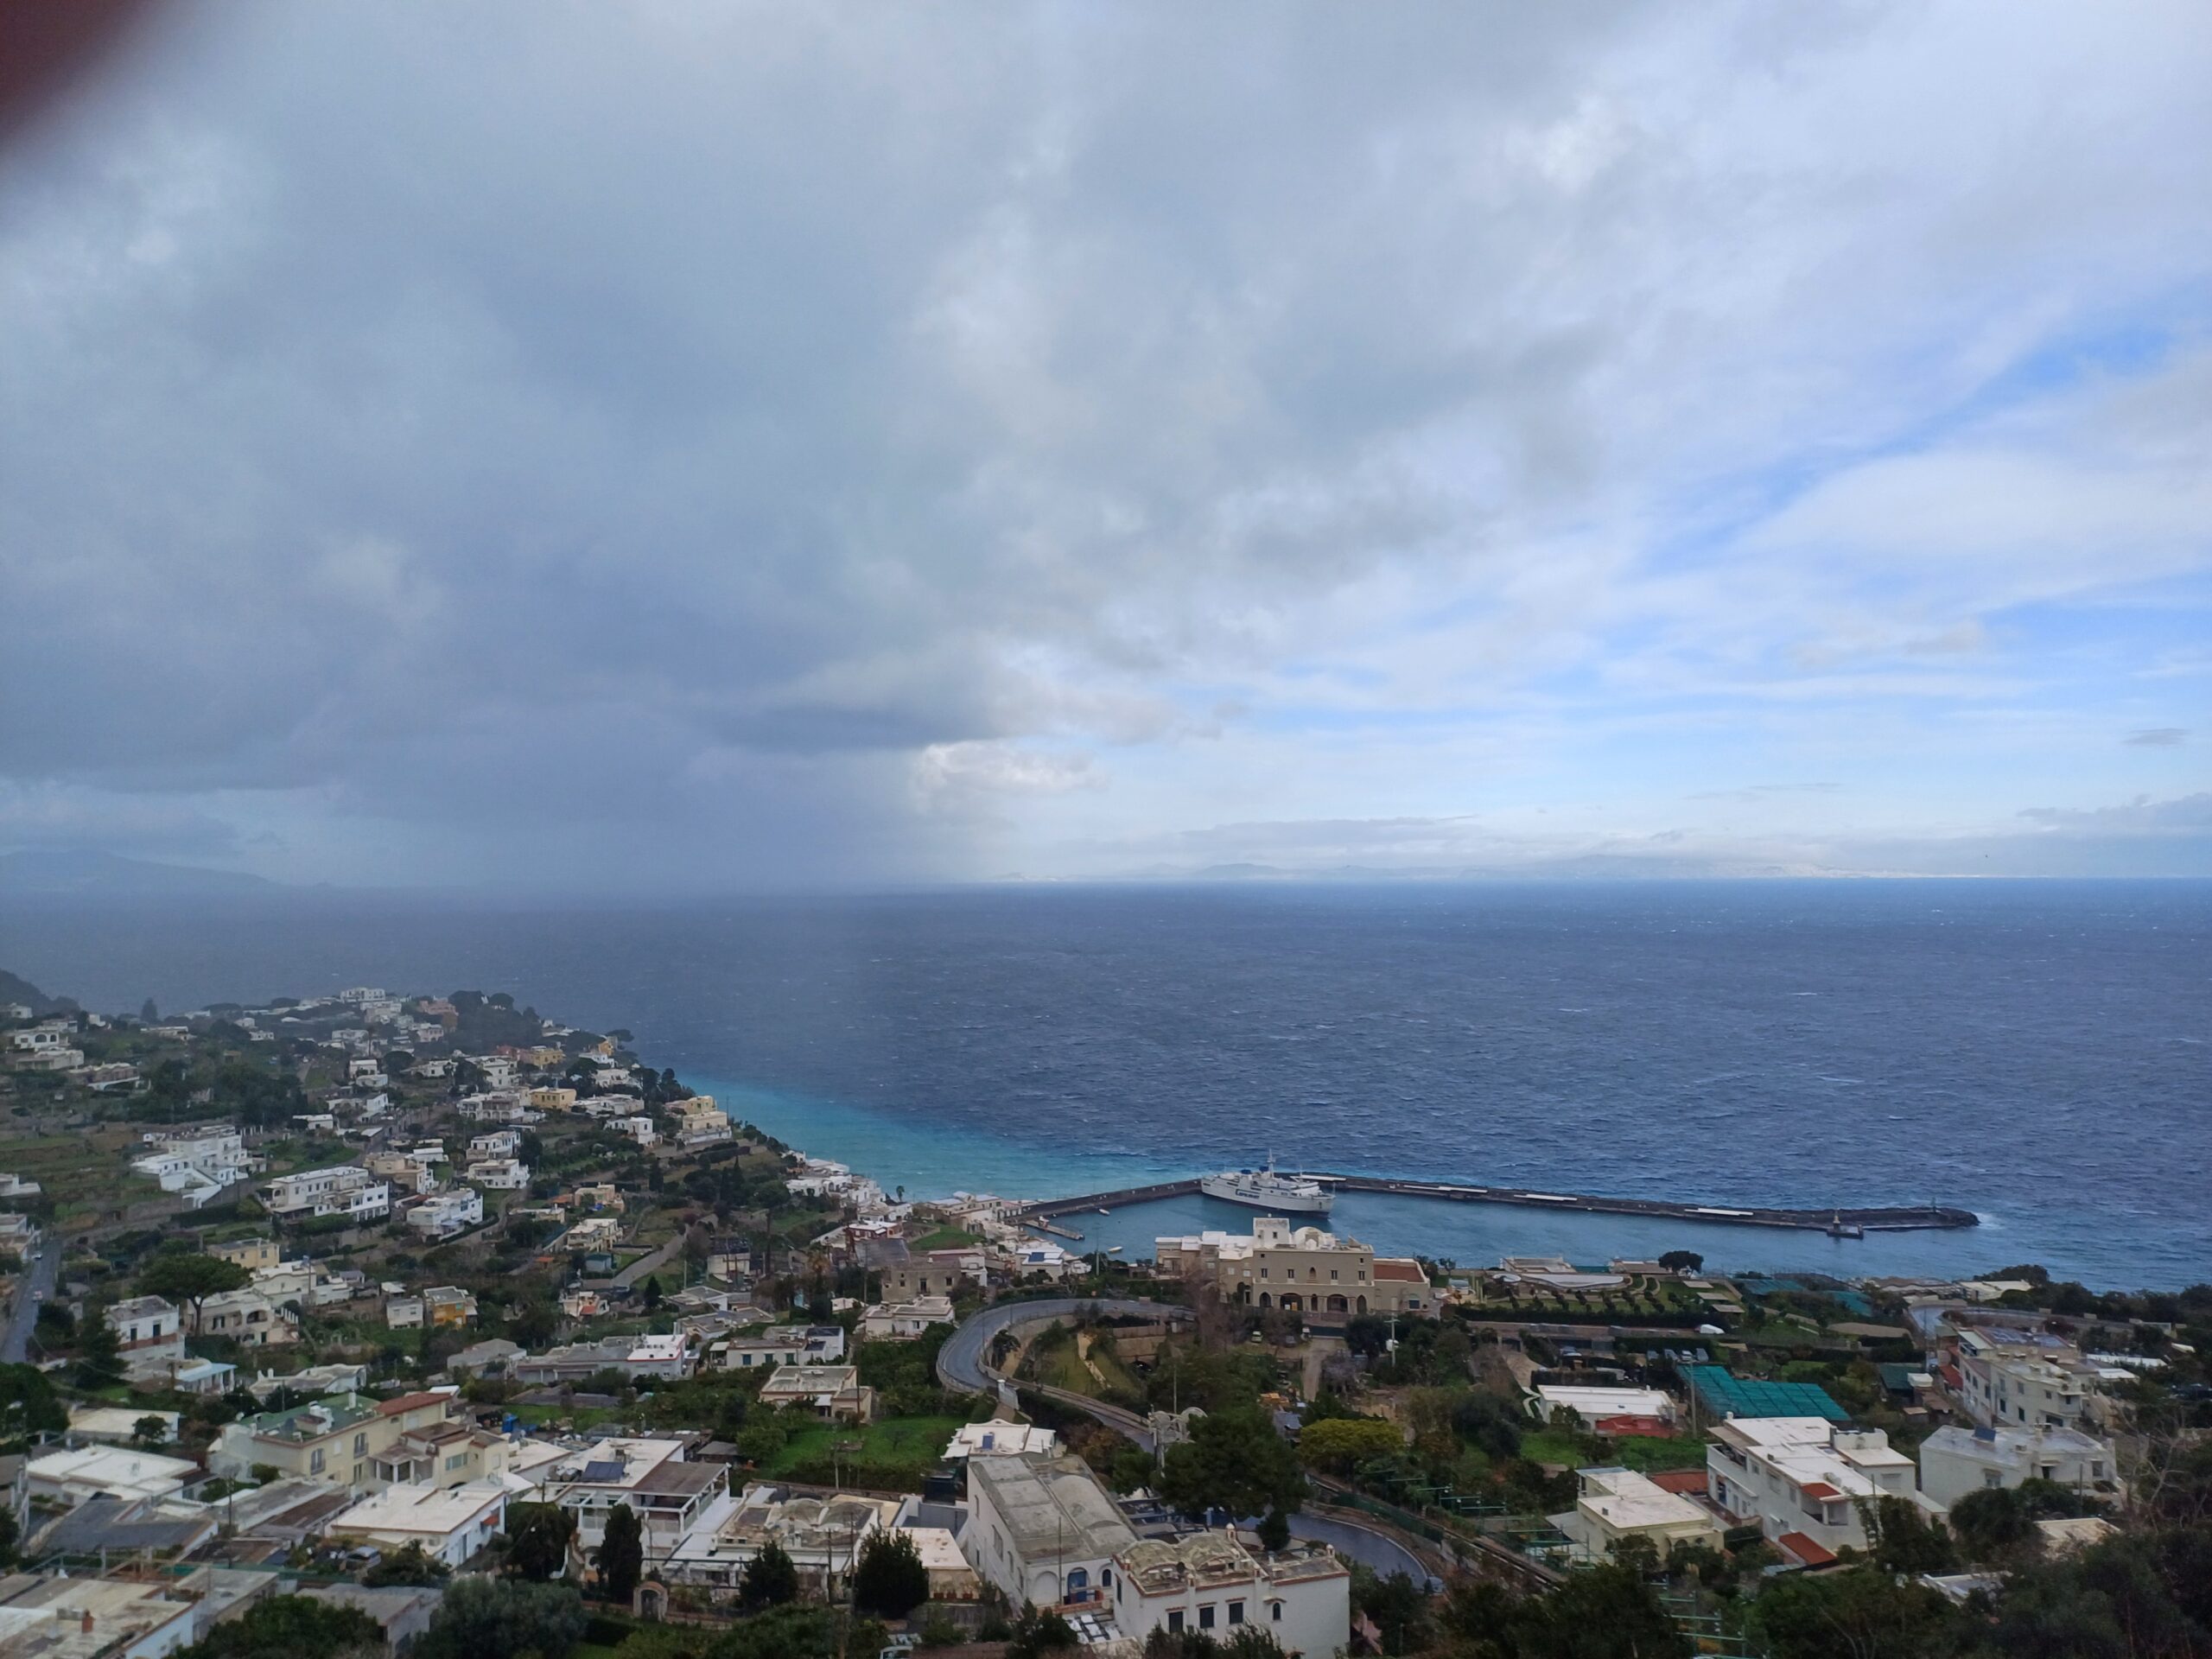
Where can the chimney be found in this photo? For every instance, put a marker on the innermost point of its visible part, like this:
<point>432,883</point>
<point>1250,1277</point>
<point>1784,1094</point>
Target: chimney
<point>86,1627</point>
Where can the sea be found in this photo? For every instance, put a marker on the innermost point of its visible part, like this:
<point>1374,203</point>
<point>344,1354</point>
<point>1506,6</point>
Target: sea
<point>2039,1053</point>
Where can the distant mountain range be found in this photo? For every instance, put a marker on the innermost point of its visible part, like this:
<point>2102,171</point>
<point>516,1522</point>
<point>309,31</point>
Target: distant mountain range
<point>88,874</point>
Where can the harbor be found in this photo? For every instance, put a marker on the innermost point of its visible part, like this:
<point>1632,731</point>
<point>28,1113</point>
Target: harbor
<point>1835,1221</point>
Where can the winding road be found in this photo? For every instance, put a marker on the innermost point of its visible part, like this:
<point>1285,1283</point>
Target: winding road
<point>961,1363</point>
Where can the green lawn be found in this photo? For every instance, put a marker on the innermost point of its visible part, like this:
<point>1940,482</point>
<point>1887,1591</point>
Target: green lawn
<point>1552,1446</point>
<point>944,1238</point>
<point>909,1442</point>
<point>1650,1456</point>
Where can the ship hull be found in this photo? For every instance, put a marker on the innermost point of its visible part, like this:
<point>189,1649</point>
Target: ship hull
<point>1230,1190</point>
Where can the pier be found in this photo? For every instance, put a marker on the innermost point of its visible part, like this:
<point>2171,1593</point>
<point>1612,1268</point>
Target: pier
<point>1838,1221</point>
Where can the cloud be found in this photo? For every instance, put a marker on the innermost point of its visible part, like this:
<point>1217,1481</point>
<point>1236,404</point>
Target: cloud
<point>710,445</point>
<point>2156,737</point>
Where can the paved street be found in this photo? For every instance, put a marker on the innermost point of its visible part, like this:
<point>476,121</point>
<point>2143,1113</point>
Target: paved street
<point>38,1276</point>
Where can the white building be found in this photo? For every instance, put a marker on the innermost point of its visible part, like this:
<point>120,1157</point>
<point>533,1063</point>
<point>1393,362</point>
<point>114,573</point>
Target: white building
<point>997,1439</point>
<point>499,1174</point>
<point>248,1316</point>
<point>197,1164</point>
<point>1043,1530</point>
<point>2021,1379</point>
<point>1802,1480</point>
<point>342,1190</point>
<point>669,1494</point>
<point>902,1321</point>
<point>639,1129</point>
<point>148,1333</point>
<point>452,1524</point>
<point>1956,1461</point>
<point>1210,1582</point>
<point>443,1214</point>
<point>784,1344</point>
<point>106,1472</point>
<point>823,1536</point>
<point>1592,1406</point>
<point>496,1143</point>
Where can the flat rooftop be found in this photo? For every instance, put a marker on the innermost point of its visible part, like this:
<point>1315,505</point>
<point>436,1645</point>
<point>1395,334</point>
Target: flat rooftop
<point>1053,1507</point>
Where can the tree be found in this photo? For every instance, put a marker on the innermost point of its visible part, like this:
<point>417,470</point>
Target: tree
<point>186,1276</point>
<point>651,1297</point>
<point>1906,1541</point>
<point>1274,1531</point>
<point>150,1432</point>
<point>1863,1613</point>
<point>1599,1612</point>
<point>769,1580</point>
<point>1342,1444</point>
<point>537,1540</point>
<point>478,1617</point>
<point>412,1565</point>
<point>1681,1261</point>
<point>1234,1461</point>
<point>622,1553</point>
<point>29,1404</point>
<point>147,1013</point>
<point>290,1627</point>
<point>534,1322</point>
<point>889,1580</point>
<point>99,1357</point>
<point>1994,1524</point>
<point>1036,1633</point>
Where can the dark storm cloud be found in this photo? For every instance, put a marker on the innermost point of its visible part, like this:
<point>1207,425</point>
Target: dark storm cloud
<point>683,444</point>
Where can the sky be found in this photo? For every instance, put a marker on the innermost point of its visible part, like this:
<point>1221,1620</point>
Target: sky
<point>683,447</point>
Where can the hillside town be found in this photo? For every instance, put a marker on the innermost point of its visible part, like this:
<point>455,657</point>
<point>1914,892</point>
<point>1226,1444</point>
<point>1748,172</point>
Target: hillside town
<point>395,1320</point>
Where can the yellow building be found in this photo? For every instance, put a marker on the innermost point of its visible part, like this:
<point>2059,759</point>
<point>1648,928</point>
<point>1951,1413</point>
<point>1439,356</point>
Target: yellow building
<point>1618,1504</point>
<point>553,1100</point>
<point>251,1254</point>
<point>1303,1270</point>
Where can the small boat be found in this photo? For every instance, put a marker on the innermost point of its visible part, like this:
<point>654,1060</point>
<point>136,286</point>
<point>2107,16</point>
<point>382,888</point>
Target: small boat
<point>1263,1189</point>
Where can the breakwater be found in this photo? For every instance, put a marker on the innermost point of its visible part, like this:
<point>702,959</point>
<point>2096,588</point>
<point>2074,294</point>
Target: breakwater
<point>1838,1220</point>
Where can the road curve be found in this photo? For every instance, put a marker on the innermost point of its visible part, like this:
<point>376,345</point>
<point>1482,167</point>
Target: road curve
<point>961,1362</point>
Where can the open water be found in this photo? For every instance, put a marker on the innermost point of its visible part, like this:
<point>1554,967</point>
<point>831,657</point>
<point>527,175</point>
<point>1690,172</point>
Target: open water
<point>2040,1053</point>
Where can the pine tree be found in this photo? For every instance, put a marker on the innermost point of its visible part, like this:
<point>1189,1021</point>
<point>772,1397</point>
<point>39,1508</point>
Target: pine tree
<point>99,1357</point>
<point>770,1578</point>
<point>889,1580</point>
<point>622,1553</point>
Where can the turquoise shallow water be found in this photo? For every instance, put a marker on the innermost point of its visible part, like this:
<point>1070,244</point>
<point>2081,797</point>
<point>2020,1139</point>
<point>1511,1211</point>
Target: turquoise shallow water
<point>931,1162</point>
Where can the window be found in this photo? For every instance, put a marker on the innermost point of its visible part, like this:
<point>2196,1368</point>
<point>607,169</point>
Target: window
<point>1236,1612</point>
<point>315,1461</point>
<point>1206,1616</point>
<point>360,1444</point>
<point>1275,1611</point>
<point>1175,1621</point>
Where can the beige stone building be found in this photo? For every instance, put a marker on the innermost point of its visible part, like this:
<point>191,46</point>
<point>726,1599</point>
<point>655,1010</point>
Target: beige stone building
<point>1303,1270</point>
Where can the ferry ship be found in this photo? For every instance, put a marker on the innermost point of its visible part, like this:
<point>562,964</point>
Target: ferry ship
<point>1263,1189</point>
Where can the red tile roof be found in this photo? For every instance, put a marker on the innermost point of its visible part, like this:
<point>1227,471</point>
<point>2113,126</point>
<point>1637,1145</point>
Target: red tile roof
<point>1688,1482</point>
<point>1806,1549</point>
<point>1629,1427</point>
<point>1400,1270</point>
<point>1819,1489</point>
